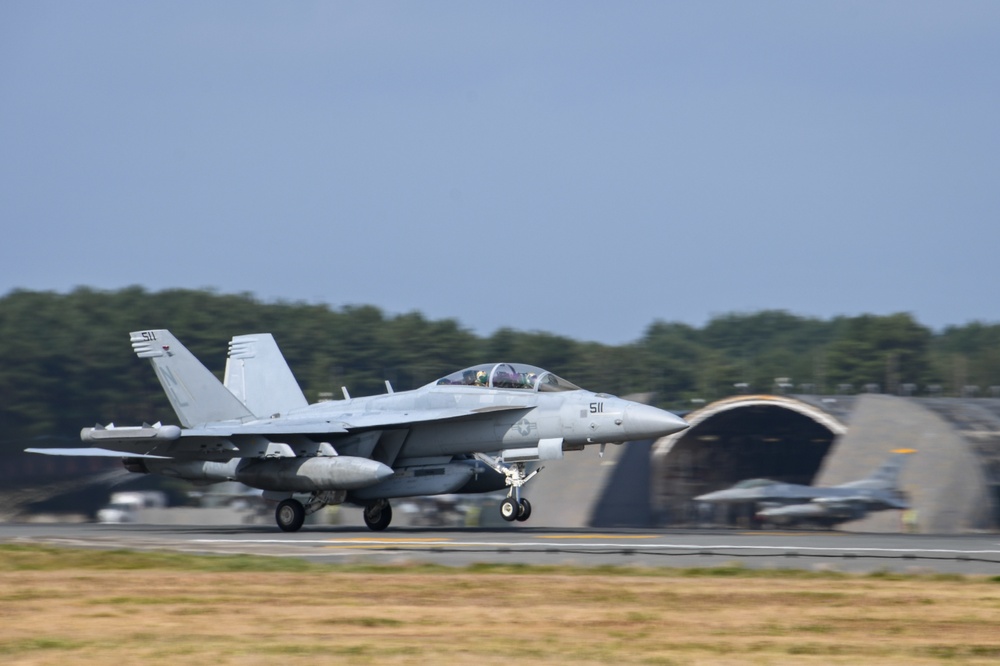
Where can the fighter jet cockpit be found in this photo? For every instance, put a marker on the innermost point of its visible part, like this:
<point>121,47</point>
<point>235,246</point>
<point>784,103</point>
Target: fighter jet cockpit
<point>509,376</point>
<point>754,483</point>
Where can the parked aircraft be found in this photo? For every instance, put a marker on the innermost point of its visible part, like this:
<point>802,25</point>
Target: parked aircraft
<point>472,431</point>
<point>790,503</point>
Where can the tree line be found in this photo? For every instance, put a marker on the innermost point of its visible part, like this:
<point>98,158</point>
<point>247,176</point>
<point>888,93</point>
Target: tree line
<point>65,361</point>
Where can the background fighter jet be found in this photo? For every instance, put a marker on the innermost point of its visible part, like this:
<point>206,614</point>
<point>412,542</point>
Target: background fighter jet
<point>472,431</point>
<point>790,503</point>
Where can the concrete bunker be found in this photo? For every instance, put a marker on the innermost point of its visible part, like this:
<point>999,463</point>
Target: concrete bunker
<point>778,437</point>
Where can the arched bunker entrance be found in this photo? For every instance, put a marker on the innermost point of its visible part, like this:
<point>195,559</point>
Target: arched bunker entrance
<point>738,438</point>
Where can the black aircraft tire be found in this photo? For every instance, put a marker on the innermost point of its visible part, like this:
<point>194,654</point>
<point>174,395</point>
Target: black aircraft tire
<point>524,510</point>
<point>290,515</point>
<point>509,510</point>
<point>377,519</point>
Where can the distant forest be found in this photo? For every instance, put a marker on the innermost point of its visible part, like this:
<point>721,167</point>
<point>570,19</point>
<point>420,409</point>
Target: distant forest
<point>66,362</point>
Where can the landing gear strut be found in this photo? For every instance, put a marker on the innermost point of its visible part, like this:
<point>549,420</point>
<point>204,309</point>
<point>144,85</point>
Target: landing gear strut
<point>378,515</point>
<point>514,507</point>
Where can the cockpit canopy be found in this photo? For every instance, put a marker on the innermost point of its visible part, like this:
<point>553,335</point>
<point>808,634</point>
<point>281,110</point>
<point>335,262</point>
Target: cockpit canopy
<point>509,376</point>
<point>755,483</point>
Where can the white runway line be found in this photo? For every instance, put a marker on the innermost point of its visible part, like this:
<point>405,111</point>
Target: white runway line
<point>402,543</point>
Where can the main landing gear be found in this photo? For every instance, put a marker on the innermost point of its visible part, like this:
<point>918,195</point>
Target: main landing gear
<point>291,513</point>
<point>378,515</point>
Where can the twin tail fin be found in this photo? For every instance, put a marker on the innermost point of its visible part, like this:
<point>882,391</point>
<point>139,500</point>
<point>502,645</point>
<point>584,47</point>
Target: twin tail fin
<point>196,395</point>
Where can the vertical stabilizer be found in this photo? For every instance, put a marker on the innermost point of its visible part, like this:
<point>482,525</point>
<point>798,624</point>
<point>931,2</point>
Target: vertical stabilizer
<point>258,375</point>
<point>888,473</point>
<point>196,395</point>
<point>887,476</point>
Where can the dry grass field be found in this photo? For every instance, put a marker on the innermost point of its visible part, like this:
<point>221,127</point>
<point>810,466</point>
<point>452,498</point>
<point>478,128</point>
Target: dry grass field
<point>64,606</point>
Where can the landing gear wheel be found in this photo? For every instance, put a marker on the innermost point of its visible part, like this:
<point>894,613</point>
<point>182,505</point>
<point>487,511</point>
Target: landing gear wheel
<point>509,509</point>
<point>378,515</point>
<point>290,515</point>
<point>523,510</point>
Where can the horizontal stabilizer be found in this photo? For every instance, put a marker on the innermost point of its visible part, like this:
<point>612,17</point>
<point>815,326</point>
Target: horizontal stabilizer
<point>90,452</point>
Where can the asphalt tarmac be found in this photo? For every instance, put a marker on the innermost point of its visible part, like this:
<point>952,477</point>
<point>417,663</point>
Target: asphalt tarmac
<point>848,552</point>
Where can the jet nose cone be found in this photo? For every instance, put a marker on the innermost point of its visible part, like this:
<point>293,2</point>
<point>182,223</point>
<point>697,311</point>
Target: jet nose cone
<point>716,496</point>
<point>645,422</point>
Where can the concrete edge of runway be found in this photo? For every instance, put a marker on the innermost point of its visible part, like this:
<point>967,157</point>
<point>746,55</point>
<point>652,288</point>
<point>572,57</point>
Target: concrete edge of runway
<point>973,554</point>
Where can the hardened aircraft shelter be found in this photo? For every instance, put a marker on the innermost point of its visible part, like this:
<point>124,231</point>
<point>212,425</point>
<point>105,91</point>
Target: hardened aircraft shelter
<point>952,481</point>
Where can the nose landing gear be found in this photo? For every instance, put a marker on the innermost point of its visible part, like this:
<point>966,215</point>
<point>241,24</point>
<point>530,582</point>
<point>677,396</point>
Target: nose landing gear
<point>514,507</point>
<point>519,510</point>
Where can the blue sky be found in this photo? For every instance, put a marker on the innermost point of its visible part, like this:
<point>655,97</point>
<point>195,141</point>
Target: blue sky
<point>579,168</point>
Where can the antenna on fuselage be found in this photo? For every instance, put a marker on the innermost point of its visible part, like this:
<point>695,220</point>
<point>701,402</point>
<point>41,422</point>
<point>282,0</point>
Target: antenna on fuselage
<point>388,386</point>
<point>347,396</point>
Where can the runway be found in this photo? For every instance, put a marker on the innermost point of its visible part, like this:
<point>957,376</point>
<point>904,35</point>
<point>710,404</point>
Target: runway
<point>854,553</point>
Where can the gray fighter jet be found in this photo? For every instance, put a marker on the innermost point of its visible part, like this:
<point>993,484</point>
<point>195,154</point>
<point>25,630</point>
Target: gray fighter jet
<point>789,503</point>
<point>475,430</point>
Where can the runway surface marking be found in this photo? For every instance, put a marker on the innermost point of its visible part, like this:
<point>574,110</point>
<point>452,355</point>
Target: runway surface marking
<point>444,542</point>
<point>758,533</point>
<point>599,536</point>
<point>390,540</point>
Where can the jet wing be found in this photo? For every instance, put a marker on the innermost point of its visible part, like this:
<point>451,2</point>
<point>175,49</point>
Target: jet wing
<point>148,434</point>
<point>340,423</point>
<point>228,439</point>
<point>268,428</point>
<point>366,420</point>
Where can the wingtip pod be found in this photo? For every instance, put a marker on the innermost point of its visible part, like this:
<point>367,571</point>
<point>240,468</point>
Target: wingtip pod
<point>111,432</point>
